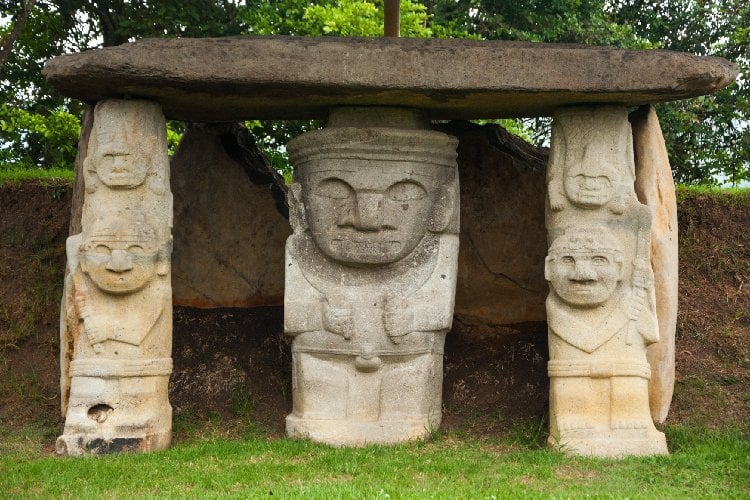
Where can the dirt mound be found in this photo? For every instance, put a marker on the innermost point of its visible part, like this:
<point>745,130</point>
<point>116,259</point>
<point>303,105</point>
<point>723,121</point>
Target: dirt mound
<point>713,323</point>
<point>234,366</point>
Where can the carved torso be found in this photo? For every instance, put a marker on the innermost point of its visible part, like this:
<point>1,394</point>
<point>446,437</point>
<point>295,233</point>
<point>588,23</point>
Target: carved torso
<point>423,279</point>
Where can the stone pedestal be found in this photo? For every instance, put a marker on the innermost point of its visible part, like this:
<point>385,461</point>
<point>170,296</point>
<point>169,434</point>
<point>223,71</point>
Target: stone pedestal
<point>370,276</point>
<point>601,307</point>
<point>116,320</point>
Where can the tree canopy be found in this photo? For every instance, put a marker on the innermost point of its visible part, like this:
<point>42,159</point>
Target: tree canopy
<point>707,137</point>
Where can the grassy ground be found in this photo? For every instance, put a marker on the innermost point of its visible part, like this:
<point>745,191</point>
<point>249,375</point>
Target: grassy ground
<point>703,464</point>
<point>738,197</point>
<point>12,174</point>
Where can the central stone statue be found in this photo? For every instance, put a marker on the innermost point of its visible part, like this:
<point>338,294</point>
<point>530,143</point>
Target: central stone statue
<point>370,276</point>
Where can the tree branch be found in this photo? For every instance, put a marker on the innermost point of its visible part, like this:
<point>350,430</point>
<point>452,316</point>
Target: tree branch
<point>6,45</point>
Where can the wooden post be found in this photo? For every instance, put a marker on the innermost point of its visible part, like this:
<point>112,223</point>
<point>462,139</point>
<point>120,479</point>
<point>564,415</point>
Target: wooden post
<point>392,18</point>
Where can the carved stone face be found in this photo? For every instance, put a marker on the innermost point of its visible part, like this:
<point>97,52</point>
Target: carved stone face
<point>369,215</point>
<point>588,190</point>
<point>127,141</point>
<point>120,263</point>
<point>116,166</point>
<point>590,183</point>
<point>584,269</point>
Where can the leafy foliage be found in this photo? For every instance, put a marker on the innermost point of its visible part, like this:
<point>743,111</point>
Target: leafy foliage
<point>707,137</point>
<point>34,140</point>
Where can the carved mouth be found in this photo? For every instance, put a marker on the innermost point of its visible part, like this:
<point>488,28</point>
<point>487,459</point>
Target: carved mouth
<point>365,247</point>
<point>583,287</point>
<point>590,194</point>
<point>121,177</point>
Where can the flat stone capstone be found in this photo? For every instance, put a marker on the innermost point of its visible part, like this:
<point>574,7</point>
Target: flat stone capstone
<point>275,77</point>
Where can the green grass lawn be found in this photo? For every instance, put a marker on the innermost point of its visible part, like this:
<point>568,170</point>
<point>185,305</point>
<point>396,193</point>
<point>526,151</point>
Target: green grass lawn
<point>18,174</point>
<point>739,196</point>
<point>703,463</point>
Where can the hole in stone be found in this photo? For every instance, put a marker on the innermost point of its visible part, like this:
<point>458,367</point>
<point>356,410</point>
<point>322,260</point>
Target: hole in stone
<point>100,412</point>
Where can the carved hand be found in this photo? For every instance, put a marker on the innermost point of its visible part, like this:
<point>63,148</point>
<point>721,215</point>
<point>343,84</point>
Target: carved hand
<point>398,319</point>
<point>95,335</point>
<point>556,201</point>
<point>338,320</point>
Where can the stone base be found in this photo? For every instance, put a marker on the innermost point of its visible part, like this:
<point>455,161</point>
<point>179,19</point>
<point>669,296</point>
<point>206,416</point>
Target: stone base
<point>615,444</point>
<point>340,432</point>
<point>80,444</point>
<point>114,414</point>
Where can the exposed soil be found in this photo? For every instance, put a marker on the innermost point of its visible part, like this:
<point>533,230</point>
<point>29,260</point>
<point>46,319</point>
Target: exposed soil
<point>233,365</point>
<point>713,323</point>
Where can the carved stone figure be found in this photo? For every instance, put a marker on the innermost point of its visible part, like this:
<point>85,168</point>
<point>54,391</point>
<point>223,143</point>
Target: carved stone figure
<point>370,276</point>
<point>124,138</point>
<point>601,306</point>
<point>116,321</point>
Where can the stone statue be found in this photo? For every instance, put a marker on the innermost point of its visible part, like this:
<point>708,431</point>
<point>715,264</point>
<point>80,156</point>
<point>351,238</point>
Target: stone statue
<point>601,306</point>
<point>116,320</point>
<point>370,276</point>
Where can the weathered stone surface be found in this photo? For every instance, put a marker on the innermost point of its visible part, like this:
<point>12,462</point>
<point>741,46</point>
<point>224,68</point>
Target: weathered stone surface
<point>76,204</point>
<point>229,232</point>
<point>601,309</point>
<point>299,77</point>
<point>503,239</point>
<point>655,188</point>
<point>370,276</point>
<point>116,318</point>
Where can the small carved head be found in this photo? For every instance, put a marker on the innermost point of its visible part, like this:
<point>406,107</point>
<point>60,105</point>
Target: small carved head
<point>584,266</point>
<point>592,181</point>
<point>365,202</point>
<point>123,256</point>
<point>598,154</point>
<point>127,142</point>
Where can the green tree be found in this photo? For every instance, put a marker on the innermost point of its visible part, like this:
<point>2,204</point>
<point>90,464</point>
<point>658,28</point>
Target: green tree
<point>707,137</point>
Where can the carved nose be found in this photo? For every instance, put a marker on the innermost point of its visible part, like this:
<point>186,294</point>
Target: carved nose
<point>584,271</point>
<point>369,212</point>
<point>120,261</point>
<point>119,164</point>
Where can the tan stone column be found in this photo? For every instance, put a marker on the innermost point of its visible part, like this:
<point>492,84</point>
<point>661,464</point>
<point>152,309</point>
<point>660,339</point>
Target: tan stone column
<point>370,276</point>
<point>116,319</point>
<point>601,307</point>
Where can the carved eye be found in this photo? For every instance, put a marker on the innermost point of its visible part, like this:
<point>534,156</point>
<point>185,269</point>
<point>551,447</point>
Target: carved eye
<point>406,191</point>
<point>567,259</point>
<point>333,188</point>
<point>136,250</point>
<point>102,250</point>
<point>109,158</point>
<point>600,260</point>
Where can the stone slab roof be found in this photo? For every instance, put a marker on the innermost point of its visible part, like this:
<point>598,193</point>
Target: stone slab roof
<point>225,79</point>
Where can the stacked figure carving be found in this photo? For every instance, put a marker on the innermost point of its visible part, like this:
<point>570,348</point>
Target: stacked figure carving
<point>116,319</point>
<point>601,304</point>
<point>370,276</point>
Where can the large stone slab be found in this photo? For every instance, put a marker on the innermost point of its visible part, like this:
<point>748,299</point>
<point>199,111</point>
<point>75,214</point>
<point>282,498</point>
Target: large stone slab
<point>230,228</point>
<point>655,188</point>
<point>225,79</point>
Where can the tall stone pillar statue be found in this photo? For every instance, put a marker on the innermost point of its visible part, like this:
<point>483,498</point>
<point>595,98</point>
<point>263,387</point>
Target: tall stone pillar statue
<point>370,276</point>
<point>601,305</point>
<point>116,319</point>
